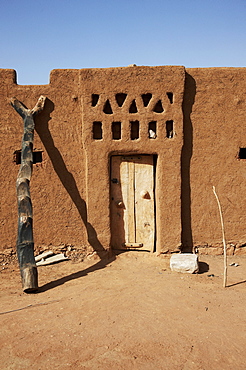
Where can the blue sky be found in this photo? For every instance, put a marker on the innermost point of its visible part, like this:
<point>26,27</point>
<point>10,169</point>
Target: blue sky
<point>38,36</point>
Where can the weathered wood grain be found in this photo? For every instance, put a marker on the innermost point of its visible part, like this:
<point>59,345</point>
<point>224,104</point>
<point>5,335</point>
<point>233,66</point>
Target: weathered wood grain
<point>25,244</point>
<point>132,202</point>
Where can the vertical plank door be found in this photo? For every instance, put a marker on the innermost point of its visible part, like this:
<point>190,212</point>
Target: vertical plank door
<point>132,202</point>
<point>144,202</point>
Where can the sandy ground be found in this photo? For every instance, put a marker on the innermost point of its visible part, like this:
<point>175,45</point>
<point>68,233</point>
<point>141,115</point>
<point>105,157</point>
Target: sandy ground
<point>130,312</point>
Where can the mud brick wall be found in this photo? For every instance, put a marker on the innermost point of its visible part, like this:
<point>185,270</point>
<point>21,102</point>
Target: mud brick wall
<point>58,183</point>
<point>198,116</point>
<point>214,130</point>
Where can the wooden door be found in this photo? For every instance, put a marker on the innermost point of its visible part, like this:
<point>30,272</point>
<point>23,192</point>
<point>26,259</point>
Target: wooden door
<point>132,202</point>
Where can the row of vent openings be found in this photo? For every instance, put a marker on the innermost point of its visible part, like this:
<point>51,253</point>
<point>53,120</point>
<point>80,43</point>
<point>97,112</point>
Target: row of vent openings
<point>97,130</point>
<point>116,135</point>
<point>121,97</point>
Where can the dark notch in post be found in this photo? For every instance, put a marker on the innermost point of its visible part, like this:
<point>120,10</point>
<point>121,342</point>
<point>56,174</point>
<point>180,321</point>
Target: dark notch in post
<point>25,244</point>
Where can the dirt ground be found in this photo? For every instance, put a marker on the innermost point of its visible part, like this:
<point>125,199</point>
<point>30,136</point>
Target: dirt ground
<point>130,312</point>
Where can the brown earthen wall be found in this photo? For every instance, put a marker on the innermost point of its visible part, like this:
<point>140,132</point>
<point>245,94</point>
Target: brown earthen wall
<point>70,188</point>
<point>58,183</point>
<point>134,82</point>
<point>214,129</point>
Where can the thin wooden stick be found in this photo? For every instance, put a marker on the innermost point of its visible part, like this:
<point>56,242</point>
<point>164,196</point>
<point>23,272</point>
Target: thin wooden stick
<point>223,237</point>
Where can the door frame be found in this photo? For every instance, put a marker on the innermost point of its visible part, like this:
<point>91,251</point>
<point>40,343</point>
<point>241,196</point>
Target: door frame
<point>155,161</point>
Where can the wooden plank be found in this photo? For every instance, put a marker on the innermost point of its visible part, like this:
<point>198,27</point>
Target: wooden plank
<point>131,236</point>
<point>144,202</point>
<point>133,245</point>
<point>124,175</point>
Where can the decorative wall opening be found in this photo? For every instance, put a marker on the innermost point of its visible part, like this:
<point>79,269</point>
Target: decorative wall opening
<point>146,99</point>
<point>170,97</point>
<point>37,156</point>
<point>133,107</point>
<point>158,107</point>
<point>242,153</point>
<point>94,99</point>
<point>169,129</point>
<point>107,108</point>
<point>97,130</point>
<point>152,129</point>
<point>120,98</point>
<point>134,130</point>
<point>116,130</point>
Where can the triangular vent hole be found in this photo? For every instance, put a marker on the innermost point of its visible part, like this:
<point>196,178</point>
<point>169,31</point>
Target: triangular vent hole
<point>107,108</point>
<point>158,107</point>
<point>94,99</point>
<point>133,107</point>
<point>120,98</point>
<point>170,97</point>
<point>146,99</point>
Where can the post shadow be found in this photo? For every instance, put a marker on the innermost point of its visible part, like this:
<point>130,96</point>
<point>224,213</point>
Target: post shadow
<point>69,183</point>
<point>186,154</point>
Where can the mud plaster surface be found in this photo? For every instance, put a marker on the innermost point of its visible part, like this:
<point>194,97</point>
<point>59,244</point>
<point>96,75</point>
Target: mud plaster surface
<point>130,312</point>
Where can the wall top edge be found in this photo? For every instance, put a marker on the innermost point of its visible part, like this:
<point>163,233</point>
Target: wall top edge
<point>9,76</point>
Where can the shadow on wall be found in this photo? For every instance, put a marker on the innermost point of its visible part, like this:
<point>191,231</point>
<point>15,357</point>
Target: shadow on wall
<point>66,177</point>
<point>186,154</point>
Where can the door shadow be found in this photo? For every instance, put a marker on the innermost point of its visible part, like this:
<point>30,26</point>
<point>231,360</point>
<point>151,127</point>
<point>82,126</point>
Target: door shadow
<point>117,206</point>
<point>186,154</point>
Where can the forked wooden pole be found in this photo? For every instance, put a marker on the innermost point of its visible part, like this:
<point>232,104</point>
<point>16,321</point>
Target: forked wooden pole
<point>25,244</point>
<point>223,237</point>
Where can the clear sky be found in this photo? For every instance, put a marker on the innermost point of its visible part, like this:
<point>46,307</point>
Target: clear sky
<point>37,36</point>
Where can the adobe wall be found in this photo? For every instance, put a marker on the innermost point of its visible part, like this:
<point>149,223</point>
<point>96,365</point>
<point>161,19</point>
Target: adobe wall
<point>214,130</point>
<point>70,188</point>
<point>135,83</point>
<point>58,183</point>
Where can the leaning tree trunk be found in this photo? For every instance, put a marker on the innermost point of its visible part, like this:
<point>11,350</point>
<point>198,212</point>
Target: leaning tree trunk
<point>25,244</point>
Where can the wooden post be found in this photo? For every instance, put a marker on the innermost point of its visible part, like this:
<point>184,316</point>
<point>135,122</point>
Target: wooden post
<point>25,244</point>
<point>223,238</point>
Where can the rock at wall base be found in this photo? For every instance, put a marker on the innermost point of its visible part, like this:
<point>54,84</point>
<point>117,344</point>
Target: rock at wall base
<point>184,262</point>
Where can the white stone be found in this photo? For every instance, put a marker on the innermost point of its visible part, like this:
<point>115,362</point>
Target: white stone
<point>184,262</point>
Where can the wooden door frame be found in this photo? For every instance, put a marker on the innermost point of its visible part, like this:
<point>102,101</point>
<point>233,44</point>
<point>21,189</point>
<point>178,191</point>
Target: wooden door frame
<point>155,159</point>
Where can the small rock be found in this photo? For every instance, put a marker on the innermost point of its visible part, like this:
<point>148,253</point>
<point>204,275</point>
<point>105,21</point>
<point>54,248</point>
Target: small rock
<point>8,251</point>
<point>234,264</point>
<point>93,256</point>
